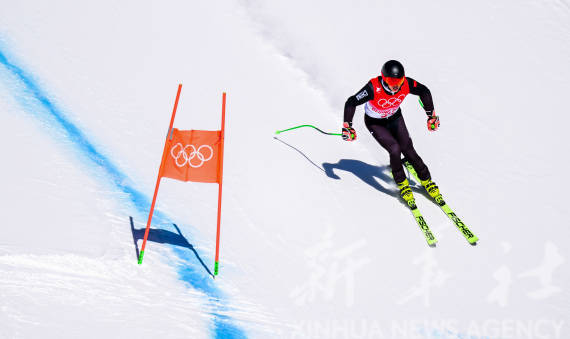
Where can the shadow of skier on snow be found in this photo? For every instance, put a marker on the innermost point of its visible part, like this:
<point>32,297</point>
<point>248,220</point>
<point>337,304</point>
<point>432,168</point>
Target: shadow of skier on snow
<point>165,237</point>
<point>365,172</point>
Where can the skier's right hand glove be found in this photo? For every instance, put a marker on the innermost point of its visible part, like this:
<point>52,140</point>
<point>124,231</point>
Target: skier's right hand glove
<point>348,133</point>
<point>433,122</point>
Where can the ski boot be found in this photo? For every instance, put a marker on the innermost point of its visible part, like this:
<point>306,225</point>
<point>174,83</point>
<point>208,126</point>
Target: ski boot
<point>433,191</point>
<point>406,193</point>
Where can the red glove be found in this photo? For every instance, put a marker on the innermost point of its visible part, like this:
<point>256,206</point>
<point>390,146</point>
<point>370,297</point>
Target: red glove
<point>348,133</point>
<point>433,123</point>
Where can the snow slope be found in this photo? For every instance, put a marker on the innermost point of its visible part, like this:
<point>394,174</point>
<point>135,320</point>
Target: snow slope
<point>315,242</point>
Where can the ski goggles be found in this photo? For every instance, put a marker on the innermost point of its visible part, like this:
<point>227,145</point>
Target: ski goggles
<point>393,82</point>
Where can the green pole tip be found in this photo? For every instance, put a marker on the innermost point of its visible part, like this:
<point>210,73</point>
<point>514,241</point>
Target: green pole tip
<point>277,132</point>
<point>141,257</point>
<point>216,266</point>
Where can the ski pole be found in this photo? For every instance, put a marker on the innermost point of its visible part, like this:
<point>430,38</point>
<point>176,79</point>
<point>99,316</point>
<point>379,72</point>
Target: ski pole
<point>288,129</point>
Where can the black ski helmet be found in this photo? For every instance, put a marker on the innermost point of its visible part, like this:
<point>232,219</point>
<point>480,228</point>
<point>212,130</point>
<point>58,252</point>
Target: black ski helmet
<point>393,69</point>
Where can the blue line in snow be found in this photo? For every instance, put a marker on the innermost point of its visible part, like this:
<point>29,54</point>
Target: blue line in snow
<point>37,102</point>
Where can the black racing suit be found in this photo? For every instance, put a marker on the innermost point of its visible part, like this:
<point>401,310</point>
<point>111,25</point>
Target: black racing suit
<point>391,133</point>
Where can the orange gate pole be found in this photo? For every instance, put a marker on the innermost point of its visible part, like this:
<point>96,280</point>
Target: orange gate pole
<point>168,136</point>
<point>221,167</point>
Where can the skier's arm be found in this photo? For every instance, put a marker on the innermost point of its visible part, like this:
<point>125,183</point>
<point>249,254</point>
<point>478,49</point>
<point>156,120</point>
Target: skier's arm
<point>425,95</point>
<point>362,96</point>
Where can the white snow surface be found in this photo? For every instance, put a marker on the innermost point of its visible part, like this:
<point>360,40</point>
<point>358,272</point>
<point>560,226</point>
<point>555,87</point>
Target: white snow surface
<point>314,242</point>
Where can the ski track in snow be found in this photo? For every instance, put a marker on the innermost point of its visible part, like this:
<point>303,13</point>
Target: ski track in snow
<point>31,97</point>
<point>271,36</point>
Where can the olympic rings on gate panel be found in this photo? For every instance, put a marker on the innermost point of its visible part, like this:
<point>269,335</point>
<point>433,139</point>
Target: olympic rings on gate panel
<point>182,152</point>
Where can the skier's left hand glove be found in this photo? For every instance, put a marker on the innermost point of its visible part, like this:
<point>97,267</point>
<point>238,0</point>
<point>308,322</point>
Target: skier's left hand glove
<point>433,122</point>
<point>348,133</point>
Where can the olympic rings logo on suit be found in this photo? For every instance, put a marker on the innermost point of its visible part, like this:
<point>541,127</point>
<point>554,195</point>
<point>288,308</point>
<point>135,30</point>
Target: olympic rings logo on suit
<point>391,102</point>
<point>182,156</point>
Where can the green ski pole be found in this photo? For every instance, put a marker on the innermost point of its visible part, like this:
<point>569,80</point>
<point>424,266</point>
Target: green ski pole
<point>292,128</point>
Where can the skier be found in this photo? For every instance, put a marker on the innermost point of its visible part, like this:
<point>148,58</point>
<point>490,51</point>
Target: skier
<point>383,96</point>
